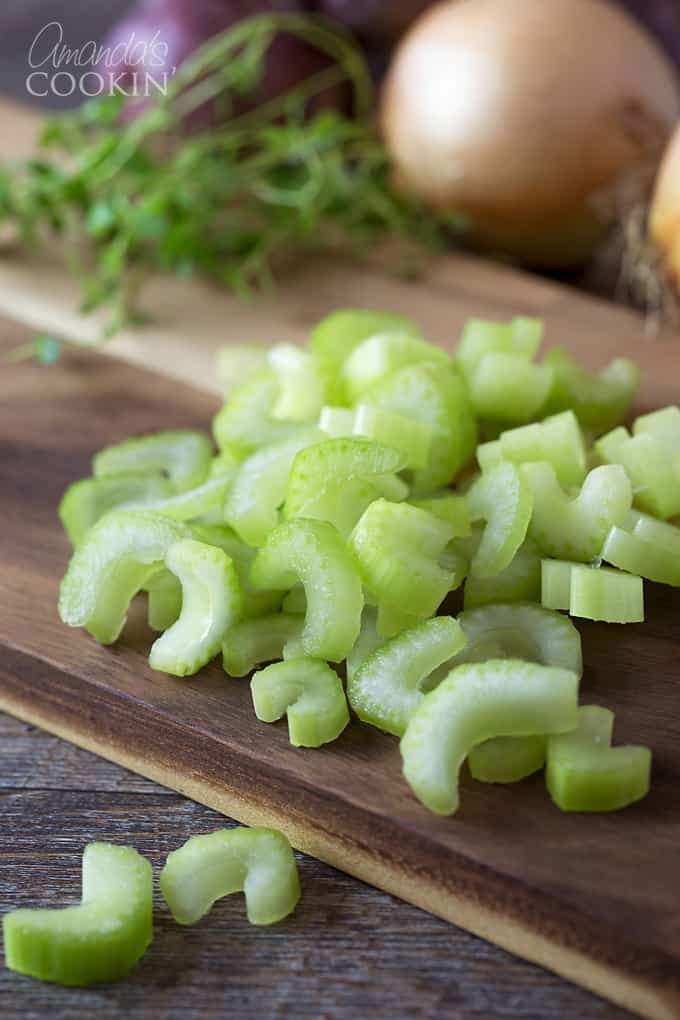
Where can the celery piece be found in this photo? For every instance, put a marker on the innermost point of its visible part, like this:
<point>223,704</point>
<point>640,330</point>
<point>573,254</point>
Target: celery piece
<point>240,363</point>
<point>410,437</point>
<point>507,387</point>
<point>334,338</point>
<point>575,529</point>
<point>115,559</point>
<point>251,642</point>
<point>664,426</point>
<point>490,454</point>
<point>314,553</point>
<point>224,463</point>
<point>309,692</point>
<point>165,599</point>
<point>334,480</point>
<point>211,603</point>
<point>397,547</point>
<point>476,702</point>
<point>507,759</point>
<point>258,861</point>
<point>584,773</point>
<point>502,498</point>
<point>449,507</point>
<point>652,466</point>
<point>302,389</point>
<point>102,937</point>
<point>598,593</point>
<point>656,558</point>
<point>192,503</point>
<point>336,421</point>
<point>520,631</point>
<point>520,581</point>
<point>386,689</point>
<point>438,400</point>
<point>365,644</point>
<point>599,401</point>
<point>379,356</point>
<point>391,620</point>
<point>557,440</point>
<point>183,455</point>
<point>556,583</point>
<point>254,602</point>
<point>245,423</point>
<point>521,337</point>
<point>86,501</point>
<point>293,648</point>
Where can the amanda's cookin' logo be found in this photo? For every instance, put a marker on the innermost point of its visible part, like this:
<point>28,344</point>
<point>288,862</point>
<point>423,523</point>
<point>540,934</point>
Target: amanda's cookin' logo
<point>133,67</point>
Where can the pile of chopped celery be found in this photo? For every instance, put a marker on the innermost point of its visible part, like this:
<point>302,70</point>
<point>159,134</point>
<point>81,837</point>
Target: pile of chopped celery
<point>342,509</point>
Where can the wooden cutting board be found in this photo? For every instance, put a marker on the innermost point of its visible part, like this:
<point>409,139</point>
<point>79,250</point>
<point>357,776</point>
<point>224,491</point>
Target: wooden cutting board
<point>596,899</point>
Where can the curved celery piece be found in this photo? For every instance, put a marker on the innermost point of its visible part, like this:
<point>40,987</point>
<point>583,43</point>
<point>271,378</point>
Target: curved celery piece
<point>386,689</point>
<point>439,400</point>
<point>476,702</point>
<point>251,642</point>
<point>192,503</point>
<point>508,387</point>
<point>379,356</point>
<point>502,498</point>
<point>410,437</point>
<point>314,553</point>
<point>245,423</point>
<point>599,401</point>
<point>116,558</point>
<point>102,937</point>
<point>520,581</point>
<point>183,455</point>
<point>398,547</point>
<point>597,593</point>
<point>521,337</point>
<point>557,440</point>
<point>520,631</point>
<point>86,501</point>
<point>309,692</point>
<point>663,425</point>
<point>211,603</point>
<point>365,644</point>
<point>336,421</point>
<point>584,773</point>
<point>575,529</point>
<point>556,583</point>
<point>300,381</point>
<point>240,363</point>
<point>652,466</point>
<point>449,507</point>
<point>257,861</point>
<point>254,603</point>
<point>656,558</point>
<point>337,479</point>
<point>507,759</point>
<point>165,599</point>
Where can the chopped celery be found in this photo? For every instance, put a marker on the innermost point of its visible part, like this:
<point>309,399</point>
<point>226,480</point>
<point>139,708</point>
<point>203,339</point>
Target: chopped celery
<point>183,455</point>
<point>575,529</point>
<point>192,503</point>
<point>557,440</point>
<point>651,458</point>
<point>116,558</point>
<point>365,644</point>
<point>254,602</point>
<point>490,454</point>
<point>478,701</point>
<point>653,553</point>
<point>597,593</point>
<point>165,599</point>
<point>336,421</point>
<point>521,337</point>
<point>251,642</point>
<point>507,759</point>
<point>224,463</point>
<point>556,583</point>
<point>664,426</point>
<point>86,501</point>
<point>258,862</point>
<point>520,581</point>
<point>599,401</point>
<point>98,940</point>
<point>309,692</point>
<point>502,498</point>
<point>379,356</point>
<point>301,386</point>
<point>404,434</point>
<point>386,689</point>
<point>245,423</point>
<point>391,620</point>
<point>240,363</point>
<point>449,507</point>
<point>584,773</point>
<point>313,552</point>
<point>507,387</point>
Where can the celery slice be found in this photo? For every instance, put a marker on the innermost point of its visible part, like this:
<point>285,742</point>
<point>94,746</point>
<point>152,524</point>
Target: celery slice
<point>502,498</point>
<point>309,692</point>
<point>520,581</point>
<point>251,642</point>
<point>258,861</point>
<point>584,773</point>
<point>115,559</point>
<point>301,384</point>
<point>598,593</point>
<point>313,552</point>
<point>192,503</point>
<point>392,620</point>
<point>507,387</point>
<point>498,698</point>
<point>224,463</point>
<point>245,423</point>
<point>507,759</point>
<point>165,599</point>
<point>557,440</point>
<point>664,426</point>
<point>656,558</point>
<point>599,401</point>
<point>449,507</point>
<point>365,644</point>
<point>101,938</point>
<point>379,356</point>
<point>521,337</point>
<point>556,583</point>
<point>652,461</point>
<point>254,602</point>
<point>183,455</point>
<point>87,500</point>
<point>240,363</point>
<point>490,454</point>
<point>410,437</point>
<point>211,603</point>
<point>386,689</point>
<point>336,421</point>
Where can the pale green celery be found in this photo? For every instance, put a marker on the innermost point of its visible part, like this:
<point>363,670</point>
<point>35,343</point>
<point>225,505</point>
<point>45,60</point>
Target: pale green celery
<point>556,583</point>
<point>584,773</point>
<point>86,501</point>
<point>240,363</point>
<point>557,440</point>
<point>507,387</point>
<point>314,553</point>
<point>259,488</point>
<point>211,604</point>
<point>295,601</point>
<point>336,421</point>
<point>520,631</point>
<point>245,423</point>
<point>507,759</point>
<point>224,463</point>
<point>664,426</point>
<point>379,356</point>
<point>102,937</point>
<point>183,455</point>
<point>258,862</point>
<point>575,529</point>
<point>365,644</point>
<point>398,547</point>
<point>520,337</point>
<point>165,599</point>
<point>527,334</point>
<point>335,337</point>
<point>302,389</point>
<point>387,687</point>
<point>502,498</point>
<point>598,593</point>
<point>391,620</point>
<point>293,648</point>
<point>391,486</point>
<point>652,464</point>
<point>192,503</point>
<point>439,401</point>
<point>652,553</point>
<point>490,454</point>
<point>404,434</point>
<point>520,581</point>
<point>477,702</point>
<point>251,642</point>
<point>600,401</point>
<point>115,559</point>
<point>449,507</point>
<point>337,479</point>
<point>309,692</point>
<point>255,603</point>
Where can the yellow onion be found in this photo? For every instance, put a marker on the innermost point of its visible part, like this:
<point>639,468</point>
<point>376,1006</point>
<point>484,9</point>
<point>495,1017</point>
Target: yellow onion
<point>664,213</point>
<point>525,116</point>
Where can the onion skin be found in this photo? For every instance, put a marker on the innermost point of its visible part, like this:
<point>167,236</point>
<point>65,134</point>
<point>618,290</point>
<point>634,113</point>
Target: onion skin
<point>664,213</point>
<point>524,117</point>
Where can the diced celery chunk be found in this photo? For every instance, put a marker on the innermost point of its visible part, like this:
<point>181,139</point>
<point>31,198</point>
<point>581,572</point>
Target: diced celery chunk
<point>254,602</point>
<point>598,593</point>
<point>502,498</point>
<point>251,642</point>
<point>301,385</point>
<point>449,507</point>
<point>507,759</point>
<point>599,401</point>
<point>86,501</point>
<point>336,421</point>
<point>520,337</point>
<point>507,387</point>
<point>410,437</point>
<point>183,455</point>
<point>245,423</point>
<point>309,692</point>
<point>165,599</point>
<point>377,357</point>
<point>365,644</point>
<point>557,440</point>
<point>192,503</point>
<point>556,583</point>
<point>652,551</point>
<point>651,462</point>
<point>520,581</point>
